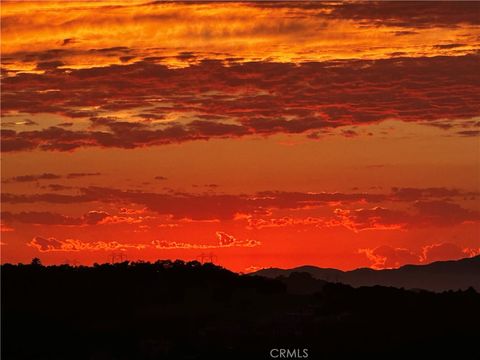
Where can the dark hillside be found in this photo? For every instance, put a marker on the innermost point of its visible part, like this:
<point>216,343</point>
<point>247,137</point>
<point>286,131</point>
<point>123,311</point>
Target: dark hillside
<point>177,310</point>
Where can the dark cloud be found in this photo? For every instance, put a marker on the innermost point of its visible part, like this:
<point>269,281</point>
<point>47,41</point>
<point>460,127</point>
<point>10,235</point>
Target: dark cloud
<point>208,129</point>
<point>57,187</point>
<point>377,218</point>
<point>429,206</point>
<point>94,217</point>
<point>411,14</point>
<point>237,100</point>
<point>36,177</point>
<point>186,55</point>
<point>49,65</point>
<point>112,51</point>
<point>48,176</point>
<point>349,133</point>
<point>412,194</point>
<point>469,133</point>
<point>437,213</point>
<point>197,206</point>
<point>284,199</point>
<point>68,41</point>
<point>448,46</point>
<point>442,252</point>
<point>414,14</point>
<point>44,244</point>
<point>405,32</point>
<point>125,59</point>
<point>42,56</point>
<point>443,213</point>
<point>47,198</point>
<point>432,207</point>
<point>81,175</point>
<point>65,124</point>
<point>44,218</point>
<point>49,218</point>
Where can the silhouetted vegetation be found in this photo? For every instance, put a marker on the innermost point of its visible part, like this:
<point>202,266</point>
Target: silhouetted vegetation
<point>177,310</point>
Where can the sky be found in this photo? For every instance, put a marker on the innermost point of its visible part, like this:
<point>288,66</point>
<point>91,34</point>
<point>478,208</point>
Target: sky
<point>263,134</point>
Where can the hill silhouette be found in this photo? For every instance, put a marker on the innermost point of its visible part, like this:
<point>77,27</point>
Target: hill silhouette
<point>437,276</point>
<point>178,310</point>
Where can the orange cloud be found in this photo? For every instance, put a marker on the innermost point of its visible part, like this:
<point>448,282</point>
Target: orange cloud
<point>386,257</point>
<point>224,241</point>
<point>51,34</point>
<point>52,244</point>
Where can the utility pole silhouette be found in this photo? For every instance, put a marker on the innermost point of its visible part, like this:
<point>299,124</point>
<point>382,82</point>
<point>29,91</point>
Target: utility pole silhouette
<point>204,258</point>
<point>118,257</point>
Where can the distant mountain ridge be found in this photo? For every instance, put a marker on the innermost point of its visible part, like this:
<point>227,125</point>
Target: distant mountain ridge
<point>437,276</point>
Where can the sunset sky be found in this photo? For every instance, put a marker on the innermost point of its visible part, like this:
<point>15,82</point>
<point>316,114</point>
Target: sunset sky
<point>271,134</point>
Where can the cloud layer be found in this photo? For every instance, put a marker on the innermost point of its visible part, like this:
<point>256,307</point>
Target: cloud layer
<point>212,100</point>
<point>428,207</point>
<point>387,257</point>
<point>52,244</point>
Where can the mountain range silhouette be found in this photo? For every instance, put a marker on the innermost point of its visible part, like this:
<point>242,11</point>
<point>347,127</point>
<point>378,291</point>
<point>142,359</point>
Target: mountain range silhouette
<point>437,276</point>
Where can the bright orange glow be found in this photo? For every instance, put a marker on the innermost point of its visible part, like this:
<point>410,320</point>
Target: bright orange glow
<point>270,134</point>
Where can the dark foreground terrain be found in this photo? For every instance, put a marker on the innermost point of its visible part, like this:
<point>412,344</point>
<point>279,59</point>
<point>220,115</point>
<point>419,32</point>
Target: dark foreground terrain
<point>177,310</point>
